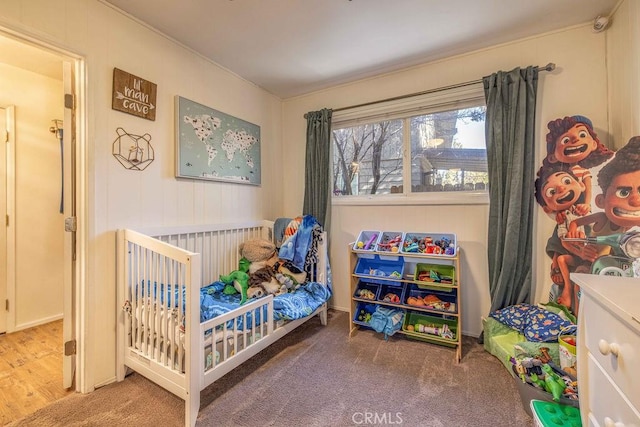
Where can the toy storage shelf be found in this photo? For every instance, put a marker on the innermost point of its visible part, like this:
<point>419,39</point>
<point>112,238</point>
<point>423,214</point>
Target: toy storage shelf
<point>432,306</point>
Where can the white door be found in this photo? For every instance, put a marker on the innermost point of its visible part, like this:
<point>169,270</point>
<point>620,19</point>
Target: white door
<point>69,203</point>
<point>3,214</point>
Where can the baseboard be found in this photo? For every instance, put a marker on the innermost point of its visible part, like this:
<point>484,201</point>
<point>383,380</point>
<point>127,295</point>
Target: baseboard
<point>38,322</point>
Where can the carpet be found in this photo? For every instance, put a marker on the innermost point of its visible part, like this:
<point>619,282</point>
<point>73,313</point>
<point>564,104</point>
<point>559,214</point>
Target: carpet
<point>318,376</point>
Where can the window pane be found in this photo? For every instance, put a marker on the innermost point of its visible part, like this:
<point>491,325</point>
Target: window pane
<point>448,151</point>
<point>367,159</point>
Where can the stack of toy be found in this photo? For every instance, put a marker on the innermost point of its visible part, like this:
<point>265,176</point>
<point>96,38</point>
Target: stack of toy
<point>546,376</point>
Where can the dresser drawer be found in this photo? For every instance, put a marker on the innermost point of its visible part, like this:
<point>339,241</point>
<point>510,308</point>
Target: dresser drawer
<point>602,327</point>
<point>605,399</point>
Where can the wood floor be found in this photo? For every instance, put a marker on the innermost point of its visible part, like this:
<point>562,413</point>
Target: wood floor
<point>30,370</point>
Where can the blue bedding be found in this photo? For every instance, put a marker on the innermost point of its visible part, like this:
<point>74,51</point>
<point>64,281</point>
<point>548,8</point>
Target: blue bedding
<point>301,303</point>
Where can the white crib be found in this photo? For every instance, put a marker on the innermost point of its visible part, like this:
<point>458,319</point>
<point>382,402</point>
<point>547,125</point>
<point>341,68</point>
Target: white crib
<point>162,339</point>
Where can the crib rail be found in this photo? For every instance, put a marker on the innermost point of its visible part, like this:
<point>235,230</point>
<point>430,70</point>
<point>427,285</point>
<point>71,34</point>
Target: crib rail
<point>161,337</point>
<point>218,243</point>
<point>158,286</point>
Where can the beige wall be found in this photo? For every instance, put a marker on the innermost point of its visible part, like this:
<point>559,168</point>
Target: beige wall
<point>39,224</point>
<point>120,198</point>
<point>577,86</point>
<point>623,69</point>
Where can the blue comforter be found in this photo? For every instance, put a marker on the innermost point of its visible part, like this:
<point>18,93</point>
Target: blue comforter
<point>301,303</point>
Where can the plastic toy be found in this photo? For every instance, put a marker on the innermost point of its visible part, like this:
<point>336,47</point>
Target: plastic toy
<point>366,294</point>
<point>364,316</point>
<point>553,383</point>
<point>391,297</point>
<point>367,245</point>
<point>390,244</point>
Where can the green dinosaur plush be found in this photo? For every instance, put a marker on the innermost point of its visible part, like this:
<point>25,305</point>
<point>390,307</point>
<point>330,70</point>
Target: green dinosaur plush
<point>237,281</point>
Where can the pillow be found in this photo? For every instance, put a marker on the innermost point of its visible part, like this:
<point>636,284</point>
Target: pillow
<point>535,323</point>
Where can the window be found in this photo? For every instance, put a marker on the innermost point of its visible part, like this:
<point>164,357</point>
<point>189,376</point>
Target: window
<point>412,149</point>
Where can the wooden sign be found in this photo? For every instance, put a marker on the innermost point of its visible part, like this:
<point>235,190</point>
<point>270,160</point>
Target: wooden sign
<point>134,95</point>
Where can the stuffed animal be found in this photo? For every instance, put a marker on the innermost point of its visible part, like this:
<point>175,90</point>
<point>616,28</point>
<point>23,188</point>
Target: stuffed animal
<point>262,271</point>
<point>259,252</point>
<point>238,281</point>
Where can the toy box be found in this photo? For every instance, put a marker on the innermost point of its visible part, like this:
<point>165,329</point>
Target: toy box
<point>432,244</point>
<point>433,300</point>
<point>390,241</point>
<point>548,414</point>
<point>426,274</point>
<point>391,293</point>
<point>423,327</point>
<point>366,241</point>
<point>529,392</point>
<point>363,313</point>
<point>366,290</point>
<point>567,351</point>
<point>380,270</point>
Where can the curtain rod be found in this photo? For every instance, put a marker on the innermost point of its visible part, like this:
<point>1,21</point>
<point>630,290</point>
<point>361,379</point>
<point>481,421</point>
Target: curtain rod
<point>549,67</point>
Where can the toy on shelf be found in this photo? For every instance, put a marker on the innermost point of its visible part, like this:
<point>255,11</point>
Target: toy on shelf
<point>364,316</point>
<point>391,297</point>
<point>366,294</point>
<point>424,244</point>
<point>434,276</point>
<point>390,242</point>
<point>431,301</point>
<point>443,330</point>
<point>366,241</point>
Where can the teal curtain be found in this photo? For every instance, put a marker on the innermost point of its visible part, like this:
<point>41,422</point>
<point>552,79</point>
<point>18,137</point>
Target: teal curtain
<point>317,179</point>
<point>510,136</point>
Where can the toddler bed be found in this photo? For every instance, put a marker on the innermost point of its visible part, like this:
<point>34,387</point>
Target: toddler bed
<point>526,329</point>
<point>177,328</point>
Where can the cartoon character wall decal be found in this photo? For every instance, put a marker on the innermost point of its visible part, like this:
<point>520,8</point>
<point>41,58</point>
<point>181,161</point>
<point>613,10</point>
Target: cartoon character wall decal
<point>576,167</point>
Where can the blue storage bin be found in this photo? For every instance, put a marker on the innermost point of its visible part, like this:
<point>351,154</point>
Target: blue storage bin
<point>364,311</point>
<point>392,288</point>
<point>436,300</point>
<point>379,270</point>
<point>373,288</point>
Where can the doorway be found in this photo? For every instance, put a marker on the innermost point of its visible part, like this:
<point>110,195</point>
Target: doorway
<point>38,280</point>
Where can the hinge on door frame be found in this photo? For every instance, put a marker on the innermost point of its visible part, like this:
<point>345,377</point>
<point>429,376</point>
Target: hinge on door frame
<point>6,136</point>
<point>6,305</point>
<point>70,348</point>
<point>71,224</point>
<point>69,101</point>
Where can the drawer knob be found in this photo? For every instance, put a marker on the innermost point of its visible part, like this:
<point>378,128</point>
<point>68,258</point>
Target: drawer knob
<point>606,348</point>
<point>608,422</point>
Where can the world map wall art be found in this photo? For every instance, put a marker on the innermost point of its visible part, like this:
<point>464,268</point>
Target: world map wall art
<point>212,145</point>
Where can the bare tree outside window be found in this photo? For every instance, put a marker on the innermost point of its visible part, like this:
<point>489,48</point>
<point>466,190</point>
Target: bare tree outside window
<point>367,158</point>
<point>445,151</point>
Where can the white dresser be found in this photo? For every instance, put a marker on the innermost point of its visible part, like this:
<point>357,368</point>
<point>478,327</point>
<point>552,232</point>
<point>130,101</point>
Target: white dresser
<point>609,350</point>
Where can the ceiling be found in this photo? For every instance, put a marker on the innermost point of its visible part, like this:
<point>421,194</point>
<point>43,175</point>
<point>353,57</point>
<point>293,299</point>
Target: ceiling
<point>293,47</point>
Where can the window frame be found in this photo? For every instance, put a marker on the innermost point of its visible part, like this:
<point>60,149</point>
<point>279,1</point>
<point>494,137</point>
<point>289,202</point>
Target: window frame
<point>466,96</point>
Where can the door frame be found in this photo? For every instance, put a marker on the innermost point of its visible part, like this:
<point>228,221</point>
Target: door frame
<point>10,160</point>
<point>75,321</point>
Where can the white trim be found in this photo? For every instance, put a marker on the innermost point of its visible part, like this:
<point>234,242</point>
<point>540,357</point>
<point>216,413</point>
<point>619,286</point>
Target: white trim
<point>415,199</point>
<point>11,212</point>
<point>38,322</point>
<point>449,99</point>
<point>84,370</point>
